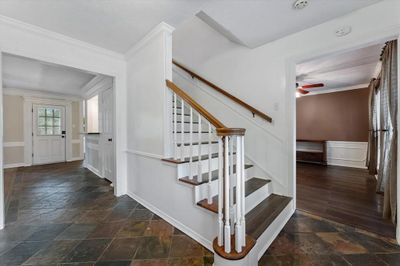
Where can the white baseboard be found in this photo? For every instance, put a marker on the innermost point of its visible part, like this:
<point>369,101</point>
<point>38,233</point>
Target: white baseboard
<point>14,165</point>
<point>207,244</point>
<point>75,159</point>
<point>347,153</point>
<point>94,170</point>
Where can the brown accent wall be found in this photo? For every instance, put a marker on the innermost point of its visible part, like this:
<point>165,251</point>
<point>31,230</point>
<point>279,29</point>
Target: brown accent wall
<point>338,116</point>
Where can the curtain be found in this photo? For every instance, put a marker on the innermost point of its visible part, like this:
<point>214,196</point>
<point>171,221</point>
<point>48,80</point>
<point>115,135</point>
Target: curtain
<point>372,154</point>
<point>387,172</point>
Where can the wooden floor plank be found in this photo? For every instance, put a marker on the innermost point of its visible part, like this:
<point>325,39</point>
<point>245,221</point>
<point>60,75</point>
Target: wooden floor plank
<point>342,194</point>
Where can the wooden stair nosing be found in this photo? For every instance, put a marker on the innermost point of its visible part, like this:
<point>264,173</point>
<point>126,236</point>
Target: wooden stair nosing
<point>196,143</point>
<point>213,207</point>
<point>194,159</point>
<point>193,132</point>
<point>261,216</point>
<point>186,122</point>
<point>233,255</point>
<point>214,176</point>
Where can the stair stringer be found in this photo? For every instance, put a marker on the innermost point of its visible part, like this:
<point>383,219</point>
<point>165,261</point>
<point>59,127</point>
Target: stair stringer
<point>154,184</point>
<point>269,235</point>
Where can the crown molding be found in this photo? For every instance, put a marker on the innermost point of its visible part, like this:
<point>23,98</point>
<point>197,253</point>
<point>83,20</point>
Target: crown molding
<point>57,36</point>
<point>162,27</point>
<point>349,88</point>
<point>40,94</point>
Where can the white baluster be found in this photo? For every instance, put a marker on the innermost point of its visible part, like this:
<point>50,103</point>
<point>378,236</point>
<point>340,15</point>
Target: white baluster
<point>220,192</point>
<point>233,220</point>
<point>175,128</point>
<point>182,130</point>
<point>209,199</point>
<point>199,169</point>
<point>191,144</point>
<point>227,228</point>
<point>243,180</point>
<point>238,227</point>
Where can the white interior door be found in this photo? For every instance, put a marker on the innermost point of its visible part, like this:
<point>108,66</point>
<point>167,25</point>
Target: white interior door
<point>48,134</point>
<point>108,134</point>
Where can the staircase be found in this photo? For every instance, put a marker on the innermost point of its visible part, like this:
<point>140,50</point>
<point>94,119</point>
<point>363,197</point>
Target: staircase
<point>210,157</point>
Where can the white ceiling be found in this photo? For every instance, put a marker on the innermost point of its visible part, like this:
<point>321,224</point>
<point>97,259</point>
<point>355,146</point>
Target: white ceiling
<point>349,70</point>
<point>29,74</point>
<point>119,24</point>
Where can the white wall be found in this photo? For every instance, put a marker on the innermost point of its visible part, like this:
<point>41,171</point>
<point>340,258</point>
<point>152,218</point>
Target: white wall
<point>26,40</point>
<point>264,77</point>
<point>151,181</point>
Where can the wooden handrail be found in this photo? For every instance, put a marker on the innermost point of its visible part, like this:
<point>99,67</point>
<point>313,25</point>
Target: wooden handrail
<point>203,112</point>
<point>214,121</point>
<point>253,110</point>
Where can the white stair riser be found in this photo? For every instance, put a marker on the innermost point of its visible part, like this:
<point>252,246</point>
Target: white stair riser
<point>204,149</point>
<point>201,192</point>
<point>184,169</point>
<point>195,137</point>
<point>257,197</point>
<point>204,127</point>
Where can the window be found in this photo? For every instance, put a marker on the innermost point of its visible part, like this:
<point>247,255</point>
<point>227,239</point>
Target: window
<point>92,117</point>
<point>49,121</point>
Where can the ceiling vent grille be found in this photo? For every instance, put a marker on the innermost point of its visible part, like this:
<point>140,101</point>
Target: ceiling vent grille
<point>300,4</point>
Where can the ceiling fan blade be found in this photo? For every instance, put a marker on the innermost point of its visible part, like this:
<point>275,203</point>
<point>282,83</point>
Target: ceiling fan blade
<point>301,91</point>
<point>310,86</point>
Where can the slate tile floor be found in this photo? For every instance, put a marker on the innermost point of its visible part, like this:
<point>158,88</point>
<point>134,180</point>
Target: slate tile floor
<point>310,240</point>
<point>62,214</point>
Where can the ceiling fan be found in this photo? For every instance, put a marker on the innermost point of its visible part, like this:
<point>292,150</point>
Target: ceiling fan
<point>305,88</point>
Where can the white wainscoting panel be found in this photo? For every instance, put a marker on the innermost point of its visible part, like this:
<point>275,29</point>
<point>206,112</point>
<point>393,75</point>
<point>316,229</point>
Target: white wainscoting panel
<point>347,153</point>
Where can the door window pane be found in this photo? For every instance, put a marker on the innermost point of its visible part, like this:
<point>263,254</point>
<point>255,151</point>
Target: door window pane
<point>57,130</point>
<point>41,122</point>
<point>57,122</point>
<point>57,113</point>
<point>49,121</point>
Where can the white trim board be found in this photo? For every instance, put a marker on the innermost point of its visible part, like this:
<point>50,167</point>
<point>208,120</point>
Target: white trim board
<point>14,144</point>
<point>14,165</point>
<point>343,153</point>
<point>40,94</point>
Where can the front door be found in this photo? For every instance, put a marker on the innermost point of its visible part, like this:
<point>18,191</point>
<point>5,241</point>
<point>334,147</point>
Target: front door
<point>48,134</point>
<point>108,134</point>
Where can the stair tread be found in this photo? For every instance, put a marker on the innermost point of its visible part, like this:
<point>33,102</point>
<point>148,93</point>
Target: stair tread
<point>261,217</point>
<point>194,158</point>
<point>187,122</point>
<point>196,143</point>
<point>187,132</point>
<point>214,176</point>
<point>251,186</point>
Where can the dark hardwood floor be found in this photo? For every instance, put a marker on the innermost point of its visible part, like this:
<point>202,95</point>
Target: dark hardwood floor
<point>342,194</point>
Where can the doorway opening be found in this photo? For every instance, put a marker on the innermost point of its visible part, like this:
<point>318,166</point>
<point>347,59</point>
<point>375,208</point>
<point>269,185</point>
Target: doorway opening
<point>333,139</point>
<point>46,138</point>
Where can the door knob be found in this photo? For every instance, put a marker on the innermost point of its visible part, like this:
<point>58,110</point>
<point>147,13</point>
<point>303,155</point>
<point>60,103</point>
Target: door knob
<point>109,139</point>
<point>63,136</point>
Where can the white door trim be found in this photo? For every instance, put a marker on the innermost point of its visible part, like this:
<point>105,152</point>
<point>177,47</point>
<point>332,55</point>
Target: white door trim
<point>28,126</point>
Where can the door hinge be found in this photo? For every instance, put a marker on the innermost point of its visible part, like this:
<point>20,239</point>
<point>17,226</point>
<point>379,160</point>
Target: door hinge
<point>32,134</point>
<point>32,154</point>
<point>32,110</point>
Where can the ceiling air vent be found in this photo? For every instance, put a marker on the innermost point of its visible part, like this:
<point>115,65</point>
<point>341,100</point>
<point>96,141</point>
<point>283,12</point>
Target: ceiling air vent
<point>300,4</point>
